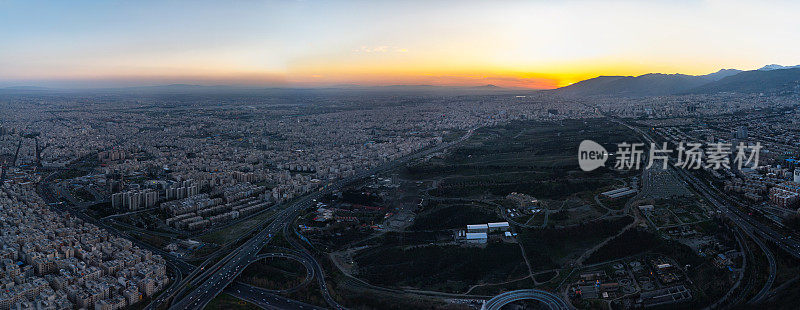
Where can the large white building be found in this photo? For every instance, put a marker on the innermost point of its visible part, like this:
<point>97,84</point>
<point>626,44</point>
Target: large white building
<point>480,237</point>
<point>477,228</point>
<point>498,226</point>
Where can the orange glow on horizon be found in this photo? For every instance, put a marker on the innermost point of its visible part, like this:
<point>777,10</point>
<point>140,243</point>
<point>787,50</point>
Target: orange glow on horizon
<point>381,73</point>
<point>455,73</point>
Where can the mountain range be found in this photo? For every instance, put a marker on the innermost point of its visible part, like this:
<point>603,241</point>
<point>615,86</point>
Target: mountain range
<point>770,79</point>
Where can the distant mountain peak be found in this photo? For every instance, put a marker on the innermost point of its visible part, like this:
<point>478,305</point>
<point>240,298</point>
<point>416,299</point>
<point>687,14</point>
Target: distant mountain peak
<point>651,84</point>
<point>772,79</point>
<point>777,67</point>
<point>722,73</point>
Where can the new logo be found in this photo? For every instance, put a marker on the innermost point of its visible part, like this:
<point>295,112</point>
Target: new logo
<point>591,155</point>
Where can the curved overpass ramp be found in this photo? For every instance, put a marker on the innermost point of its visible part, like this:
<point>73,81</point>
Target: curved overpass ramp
<point>550,300</point>
<point>307,264</point>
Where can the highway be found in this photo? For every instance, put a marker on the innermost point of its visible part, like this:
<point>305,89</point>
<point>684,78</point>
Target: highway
<point>178,267</point>
<point>549,300</point>
<point>746,223</point>
<point>751,230</point>
<point>264,298</point>
<point>223,273</point>
<point>231,266</point>
<point>316,267</point>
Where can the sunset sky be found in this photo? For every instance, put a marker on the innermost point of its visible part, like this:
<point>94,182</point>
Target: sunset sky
<point>535,44</point>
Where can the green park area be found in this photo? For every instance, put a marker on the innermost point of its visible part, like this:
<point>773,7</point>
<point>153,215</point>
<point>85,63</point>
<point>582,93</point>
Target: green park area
<point>441,215</point>
<point>535,158</point>
<point>274,273</point>
<point>235,231</point>
<point>442,268</point>
<point>470,185</point>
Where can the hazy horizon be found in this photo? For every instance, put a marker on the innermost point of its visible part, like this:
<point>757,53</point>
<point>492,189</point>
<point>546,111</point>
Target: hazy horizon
<point>123,84</point>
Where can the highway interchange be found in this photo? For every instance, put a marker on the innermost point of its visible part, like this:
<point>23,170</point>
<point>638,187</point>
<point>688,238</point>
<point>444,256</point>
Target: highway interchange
<point>207,281</point>
<point>216,278</point>
<point>547,299</point>
<point>758,232</point>
<point>194,286</point>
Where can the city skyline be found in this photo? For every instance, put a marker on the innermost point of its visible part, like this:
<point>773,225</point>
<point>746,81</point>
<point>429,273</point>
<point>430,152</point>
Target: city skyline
<point>308,44</point>
<point>354,154</point>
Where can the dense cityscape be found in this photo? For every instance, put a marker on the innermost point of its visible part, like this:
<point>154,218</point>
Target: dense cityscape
<point>397,155</point>
<point>126,200</point>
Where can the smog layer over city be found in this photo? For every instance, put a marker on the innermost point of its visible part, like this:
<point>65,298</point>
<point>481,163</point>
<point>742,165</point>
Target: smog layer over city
<point>399,155</point>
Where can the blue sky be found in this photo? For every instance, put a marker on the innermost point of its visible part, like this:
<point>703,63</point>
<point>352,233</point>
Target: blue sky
<point>539,44</point>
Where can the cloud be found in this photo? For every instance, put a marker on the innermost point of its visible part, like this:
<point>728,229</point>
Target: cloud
<point>380,49</point>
